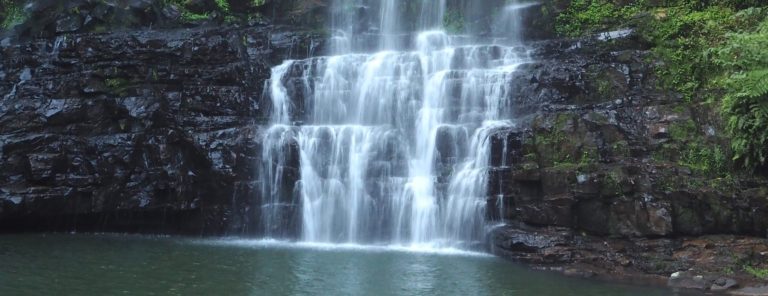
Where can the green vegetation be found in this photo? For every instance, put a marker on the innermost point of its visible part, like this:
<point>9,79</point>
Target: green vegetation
<point>560,149</point>
<point>704,159</point>
<point>761,273</point>
<point>117,86</point>
<point>223,5</point>
<point>690,149</point>
<point>553,144</point>
<point>744,60</point>
<point>620,148</point>
<point>186,14</point>
<point>194,17</point>
<point>11,14</point>
<point>453,22</point>
<point>712,52</point>
<point>728,271</point>
<point>589,16</point>
<point>682,131</point>
<point>115,82</point>
<point>612,182</point>
<point>223,9</point>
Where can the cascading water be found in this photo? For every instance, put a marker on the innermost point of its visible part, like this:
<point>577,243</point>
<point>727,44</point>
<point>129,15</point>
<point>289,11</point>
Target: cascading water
<point>393,146</point>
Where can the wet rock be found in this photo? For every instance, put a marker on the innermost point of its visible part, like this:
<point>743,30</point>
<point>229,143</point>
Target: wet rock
<point>70,23</point>
<point>139,4</point>
<point>532,246</point>
<point>154,140</point>
<point>524,241</point>
<point>592,216</point>
<point>171,12</point>
<point>555,182</point>
<point>751,291</point>
<point>722,284</point>
<point>25,75</point>
<point>101,10</point>
<point>555,211</point>
<point>637,218</point>
<point>602,161</point>
<point>703,259</point>
<point>575,272</point>
<point>687,280</point>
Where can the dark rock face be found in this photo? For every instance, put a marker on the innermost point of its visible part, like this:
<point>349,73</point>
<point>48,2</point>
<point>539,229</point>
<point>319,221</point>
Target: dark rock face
<point>599,177</point>
<point>155,131</point>
<point>587,153</point>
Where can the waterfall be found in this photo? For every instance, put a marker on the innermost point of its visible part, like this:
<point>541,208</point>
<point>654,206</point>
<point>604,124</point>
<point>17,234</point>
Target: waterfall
<point>392,144</point>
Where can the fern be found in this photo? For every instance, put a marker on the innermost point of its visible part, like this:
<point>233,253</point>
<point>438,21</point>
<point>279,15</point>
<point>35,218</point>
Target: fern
<point>747,113</point>
<point>223,5</point>
<point>745,104</point>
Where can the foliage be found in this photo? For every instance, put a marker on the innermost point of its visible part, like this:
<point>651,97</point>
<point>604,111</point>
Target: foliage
<point>713,51</point>
<point>710,51</point>
<point>223,5</point>
<point>193,17</point>
<point>588,16</point>
<point>710,160</point>
<point>744,59</point>
<point>117,85</point>
<point>683,131</point>
<point>453,22</point>
<point>11,14</point>
<point>681,36</point>
<point>693,151</point>
<point>239,11</point>
<point>761,273</point>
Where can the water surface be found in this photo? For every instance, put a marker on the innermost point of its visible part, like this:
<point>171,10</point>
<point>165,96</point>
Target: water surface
<point>136,265</point>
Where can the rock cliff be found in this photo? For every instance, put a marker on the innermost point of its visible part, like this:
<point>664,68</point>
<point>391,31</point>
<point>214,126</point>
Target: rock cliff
<point>139,131</point>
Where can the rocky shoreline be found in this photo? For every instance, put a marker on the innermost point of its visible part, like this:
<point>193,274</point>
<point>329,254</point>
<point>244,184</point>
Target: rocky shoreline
<point>690,264</point>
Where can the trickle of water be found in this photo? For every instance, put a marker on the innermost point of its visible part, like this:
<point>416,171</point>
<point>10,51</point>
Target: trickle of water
<point>508,23</point>
<point>277,202</point>
<point>394,146</point>
<point>57,44</point>
<point>279,94</point>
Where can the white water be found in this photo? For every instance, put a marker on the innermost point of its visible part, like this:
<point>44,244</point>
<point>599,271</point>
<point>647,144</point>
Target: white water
<point>508,22</point>
<point>393,146</point>
<point>342,247</point>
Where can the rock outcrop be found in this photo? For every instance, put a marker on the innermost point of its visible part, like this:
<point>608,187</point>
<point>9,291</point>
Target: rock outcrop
<point>609,172</point>
<point>601,149</point>
<point>146,131</point>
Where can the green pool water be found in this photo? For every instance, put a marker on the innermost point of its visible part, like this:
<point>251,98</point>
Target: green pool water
<point>61,264</point>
